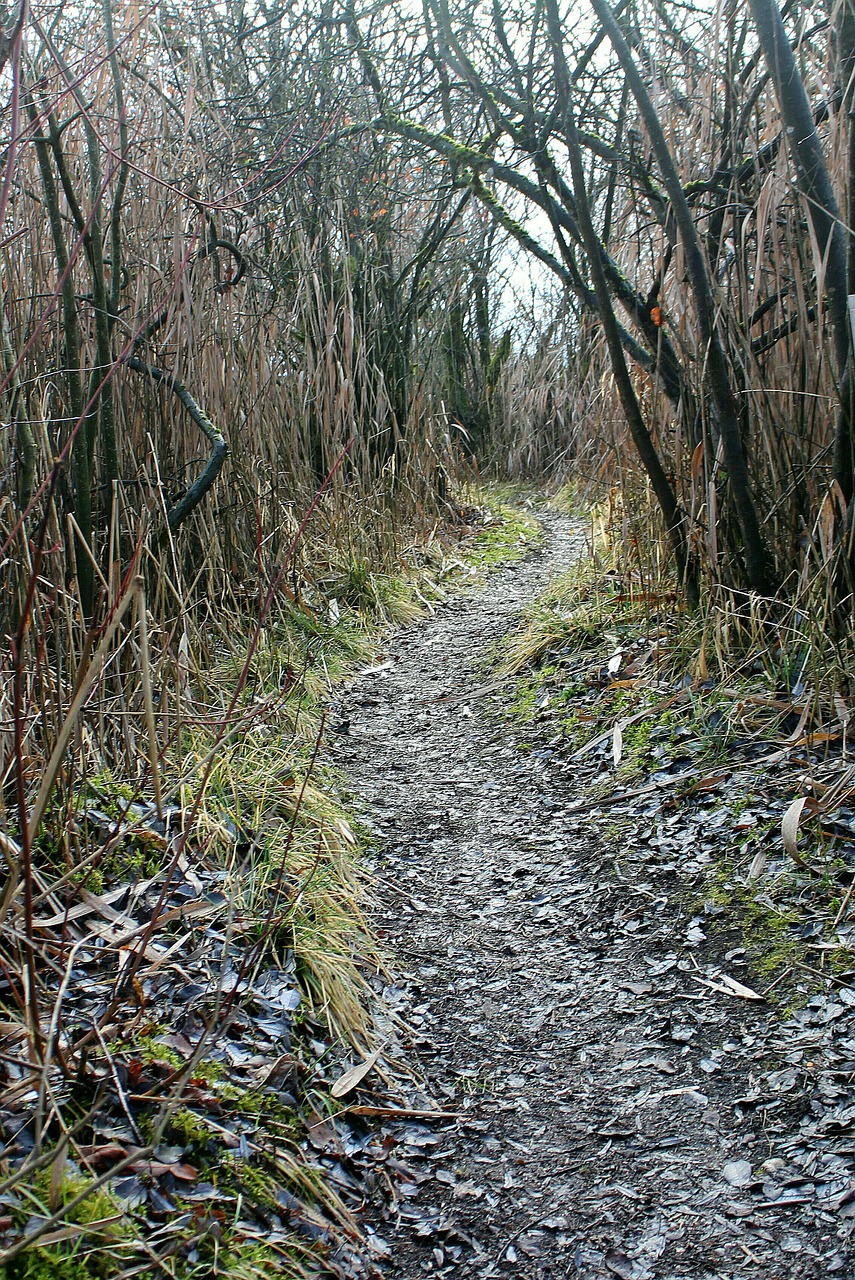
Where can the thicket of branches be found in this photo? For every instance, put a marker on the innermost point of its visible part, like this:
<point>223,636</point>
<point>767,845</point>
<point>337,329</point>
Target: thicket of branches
<point>271,270</point>
<point>220,296</point>
<point>681,174</point>
<point>282,233</point>
<point>250,251</point>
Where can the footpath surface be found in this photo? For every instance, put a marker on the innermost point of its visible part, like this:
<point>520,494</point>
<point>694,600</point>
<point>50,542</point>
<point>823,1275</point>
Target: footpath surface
<point>605,1113</point>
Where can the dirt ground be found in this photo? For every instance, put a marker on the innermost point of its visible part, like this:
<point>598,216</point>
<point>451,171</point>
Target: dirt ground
<point>606,1112</point>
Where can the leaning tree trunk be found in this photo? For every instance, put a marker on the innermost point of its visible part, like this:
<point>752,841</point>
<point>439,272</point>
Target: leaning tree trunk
<point>814,183</point>
<point>717,375</point>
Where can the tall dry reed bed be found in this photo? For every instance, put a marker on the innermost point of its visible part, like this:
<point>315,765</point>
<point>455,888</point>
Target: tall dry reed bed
<point>215,465</point>
<point>250,314</point>
<point>650,162</point>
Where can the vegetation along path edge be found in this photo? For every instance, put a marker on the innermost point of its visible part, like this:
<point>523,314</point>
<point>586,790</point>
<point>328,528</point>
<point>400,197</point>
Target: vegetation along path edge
<point>603,1107</point>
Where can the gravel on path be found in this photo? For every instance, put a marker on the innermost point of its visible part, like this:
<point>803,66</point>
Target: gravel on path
<point>605,1100</point>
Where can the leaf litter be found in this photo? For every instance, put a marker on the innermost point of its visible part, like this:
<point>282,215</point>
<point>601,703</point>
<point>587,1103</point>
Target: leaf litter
<point>197,1059</point>
<point>181,1006</point>
<point>616,1091</point>
<point>575,1069</point>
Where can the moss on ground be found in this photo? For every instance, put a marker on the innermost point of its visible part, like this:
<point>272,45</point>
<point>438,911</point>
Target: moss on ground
<point>508,536</point>
<point>594,653</point>
<point>763,928</point>
<point>272,826</point>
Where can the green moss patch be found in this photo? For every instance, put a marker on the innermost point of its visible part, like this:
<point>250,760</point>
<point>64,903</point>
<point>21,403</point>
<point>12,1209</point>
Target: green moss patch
<point>641,697</point>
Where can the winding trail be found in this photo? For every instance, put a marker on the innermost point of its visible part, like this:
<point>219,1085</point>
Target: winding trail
<point>588,1140</point>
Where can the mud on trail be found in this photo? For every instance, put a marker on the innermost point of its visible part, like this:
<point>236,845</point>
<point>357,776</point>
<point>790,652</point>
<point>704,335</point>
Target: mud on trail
<point>597,1098</point>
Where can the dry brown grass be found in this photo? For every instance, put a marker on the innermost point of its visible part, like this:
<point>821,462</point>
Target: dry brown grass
<point>191,689</point>
<point>559,408</point>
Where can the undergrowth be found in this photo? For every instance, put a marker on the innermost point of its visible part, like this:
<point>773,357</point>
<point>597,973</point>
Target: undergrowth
<point>724,714</point>
<point>507,531</point>
<point>251,832</point>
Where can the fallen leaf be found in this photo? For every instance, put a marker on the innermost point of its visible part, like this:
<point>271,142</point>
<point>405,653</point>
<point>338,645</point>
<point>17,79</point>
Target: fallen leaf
<point>323,1136</point>
<point>157,1169</point>
<point>790,829</point>
<point>107,1153</point>
<point>619,1264</point>
<point>758,865</point>
<point>737,1173</point>
<point>347,1082</point>
<point>637,988</point>
<point>730,987</point>
<point>464,1189</point>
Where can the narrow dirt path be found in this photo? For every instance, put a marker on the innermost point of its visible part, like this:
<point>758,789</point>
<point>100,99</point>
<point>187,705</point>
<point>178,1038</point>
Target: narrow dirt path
<point>590,1133</point>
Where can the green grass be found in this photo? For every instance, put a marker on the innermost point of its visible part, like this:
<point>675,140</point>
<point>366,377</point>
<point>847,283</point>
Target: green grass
<point>96,1253</point>
<point>571,500</point>
<point>274,824</point>
<point>678,694</point>
<point>506,535</point>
